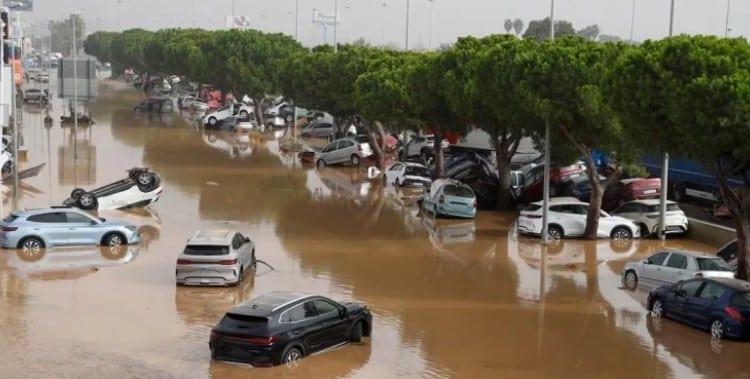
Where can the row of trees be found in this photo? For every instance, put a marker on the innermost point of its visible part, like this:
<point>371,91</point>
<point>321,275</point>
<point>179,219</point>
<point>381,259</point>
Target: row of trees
<point>686,95</point>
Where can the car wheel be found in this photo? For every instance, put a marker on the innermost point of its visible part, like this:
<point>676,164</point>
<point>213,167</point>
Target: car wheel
<point>212,121</point>
<point>631,280</point>
<point>717,329</point>
<point>269,126</point>
<point>555,232</point>
<point>114,252</point>
<point>357,332</point>
<point>76,193</point>
<point>657,308</point>
<point>321,164</point>
<point>31,249</point>
<point>88,201</point>
<point>243,114</point>
<point>292,355</point>
<point>145,179</point>
<point>355,160</point>
<point>7,167</point>
<point>113,240</point>
<point>621,233</point>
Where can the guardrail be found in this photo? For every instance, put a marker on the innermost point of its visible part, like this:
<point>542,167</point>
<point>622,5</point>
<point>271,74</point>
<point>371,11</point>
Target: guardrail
<point>710,233</point>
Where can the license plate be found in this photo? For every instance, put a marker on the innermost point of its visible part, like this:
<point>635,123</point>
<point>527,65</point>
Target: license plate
<point>648,192</point>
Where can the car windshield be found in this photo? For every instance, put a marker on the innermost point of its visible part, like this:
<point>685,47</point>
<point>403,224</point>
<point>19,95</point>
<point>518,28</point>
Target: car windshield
<point>670,208</point>
<point>206,250</point>
<point>459,191</point>
<point>417,171</point>
<point>712,264</point>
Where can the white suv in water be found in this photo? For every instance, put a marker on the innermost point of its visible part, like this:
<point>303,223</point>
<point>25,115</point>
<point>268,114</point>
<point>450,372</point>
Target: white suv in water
<point>215,258</point>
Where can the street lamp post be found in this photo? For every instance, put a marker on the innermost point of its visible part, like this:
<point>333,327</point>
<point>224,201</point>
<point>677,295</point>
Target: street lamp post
<point>632,22</point>
<point>665,158</point>
<point>547,147</point>
<point>382,24</point>
<point>432,11</point>
<point>408,8</point>
<point>75,94</point>
<point>296,20</point>
<point>335,26</point>
<point>726,27</point>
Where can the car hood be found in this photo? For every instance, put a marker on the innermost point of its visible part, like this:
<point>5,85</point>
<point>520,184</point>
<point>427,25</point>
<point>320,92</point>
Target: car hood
<point>116,223</point>
<point>354,307</point>
<point>621,219</point>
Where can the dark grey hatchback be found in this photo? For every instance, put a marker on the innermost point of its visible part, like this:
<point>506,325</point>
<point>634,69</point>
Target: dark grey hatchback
<point>281,327</point>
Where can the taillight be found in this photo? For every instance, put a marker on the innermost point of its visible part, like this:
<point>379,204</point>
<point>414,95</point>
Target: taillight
<point>9,228</point>
<point>263,341</point>
<point>184,262</point>
<point>441,199</point>
<point>733,313</point>
<point>228,262</point>
<point>698,275</point>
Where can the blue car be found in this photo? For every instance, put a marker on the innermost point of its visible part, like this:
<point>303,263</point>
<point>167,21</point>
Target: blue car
<point>33,230</point>
<point>719,305</point>
<point>449,197</point>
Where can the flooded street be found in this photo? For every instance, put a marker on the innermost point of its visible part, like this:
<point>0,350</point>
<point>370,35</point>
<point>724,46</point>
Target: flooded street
<point>450,299</point>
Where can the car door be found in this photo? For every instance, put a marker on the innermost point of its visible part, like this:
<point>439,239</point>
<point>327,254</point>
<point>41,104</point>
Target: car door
<point>393,173</point>
<point>82,230</point>
<point>680,300</point>
<point>52,227</point>
<point>334,327</point>
<point>303,325</point>
<point>346,150</point>
<point>674,270</point>
<point>328,151</point>
<point>700,306</point>
<point>652,267</point>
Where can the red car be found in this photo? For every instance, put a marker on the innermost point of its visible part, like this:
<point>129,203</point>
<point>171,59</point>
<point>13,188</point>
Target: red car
<point>625,190</point>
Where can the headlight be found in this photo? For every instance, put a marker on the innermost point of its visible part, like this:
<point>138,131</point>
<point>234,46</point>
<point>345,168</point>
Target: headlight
<point>132,228</point>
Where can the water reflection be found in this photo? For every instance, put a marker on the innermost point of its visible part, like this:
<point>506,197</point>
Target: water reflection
<point>68,262</point>
<point>205,306</point>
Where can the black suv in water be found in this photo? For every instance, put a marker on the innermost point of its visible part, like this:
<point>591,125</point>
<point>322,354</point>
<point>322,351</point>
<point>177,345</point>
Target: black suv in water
<point>281,327</point>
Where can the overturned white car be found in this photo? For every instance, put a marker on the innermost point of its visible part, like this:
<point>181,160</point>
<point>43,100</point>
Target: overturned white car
<point>141,188</point>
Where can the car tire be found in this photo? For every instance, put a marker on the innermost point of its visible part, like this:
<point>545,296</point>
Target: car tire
<point>717,329</point>
<point>357,331</point>
<point>212,121</point>
<point>88,201</point>
<point>7,167</point>
<point>76,193</point>
<point>243,114</point>
<point>631,280</point>
<point>114,253</point>
<point>31,249</point>
<point>555,232</point>
<point>621,233</point>
<point>269,126</point>
<point>146,181</point>
<point>291,354</point>
<point>321,164</point>
<point>657,308</point>
<point>356,161</point>
<point>114,239</point>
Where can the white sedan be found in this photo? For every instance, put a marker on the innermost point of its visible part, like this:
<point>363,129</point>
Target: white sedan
<point>567,218</point>
<point>141,188</point>
<point>645,213</point>
<point>408,174</point>
<point>237,109</point>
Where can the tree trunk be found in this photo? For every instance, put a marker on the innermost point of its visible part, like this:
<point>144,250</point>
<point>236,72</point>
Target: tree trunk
<point>258,112</point>
<point>595,201</point>
<point>743,244</point>
<point>377,142</point>
<point>504,197</point>
<point>437,151</point>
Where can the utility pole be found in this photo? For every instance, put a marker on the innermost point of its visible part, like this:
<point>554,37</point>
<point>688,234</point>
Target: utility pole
<point>726,27</point>
<point>16,115</point>
<point>406,44</point>
<point>547,147</point>
<point>75,95</point>
<point>665,159</point>
<point>335,26</point>
<point>296,20</point>
<point>632,22</point>
<point>432,11</point>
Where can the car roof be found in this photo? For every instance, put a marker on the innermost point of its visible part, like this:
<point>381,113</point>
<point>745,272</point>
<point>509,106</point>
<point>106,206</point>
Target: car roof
<point>694,254</point>
<point>264,305</point>
<point>650,201</point>
<point>412,164</point>
<point>736,284</point>
<point>561,200</point>
<point>36,211</point>
<point>212,237</point>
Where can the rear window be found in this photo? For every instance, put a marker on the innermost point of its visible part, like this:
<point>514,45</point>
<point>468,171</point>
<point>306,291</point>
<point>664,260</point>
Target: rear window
<point>237,321</point>
<point>206,250</point>
<point>453,190</point>
<point>417,171</point>
<point>10,218</point>
<point>670,208</point>
<point>741,299</point>
<point>712,264</point>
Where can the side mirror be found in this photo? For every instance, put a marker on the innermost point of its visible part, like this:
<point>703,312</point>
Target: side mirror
<point>247,239</point>
<point>647,261</point>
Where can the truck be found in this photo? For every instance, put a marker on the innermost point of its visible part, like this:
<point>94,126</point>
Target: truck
<point>687,179</point>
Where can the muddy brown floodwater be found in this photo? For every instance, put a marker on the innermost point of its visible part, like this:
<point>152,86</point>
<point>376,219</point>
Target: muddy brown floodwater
<point>451,299</point>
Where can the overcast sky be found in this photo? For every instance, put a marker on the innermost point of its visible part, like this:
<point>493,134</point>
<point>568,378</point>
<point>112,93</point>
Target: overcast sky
<point>371,20</point>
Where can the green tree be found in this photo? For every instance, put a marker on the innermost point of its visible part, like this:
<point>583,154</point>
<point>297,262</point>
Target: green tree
<point>590,32</point>
<point>508,25</point>
<point>128,48</point>
<point>540,29</point>
<point>566,80</point>
<point>690,96</point>
<point>518,26</point>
